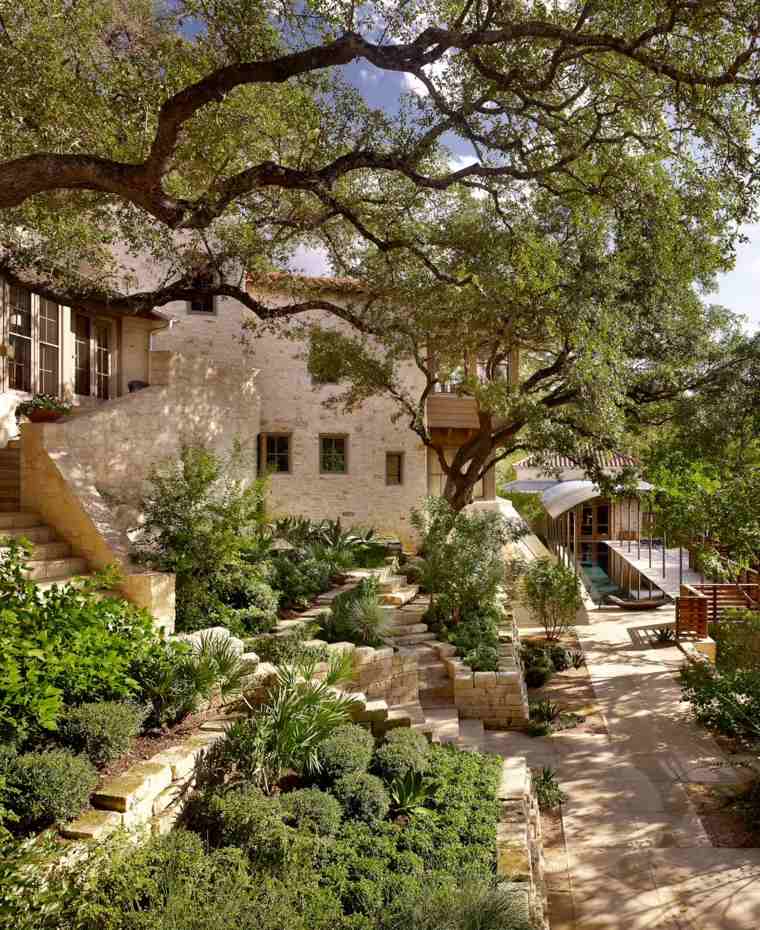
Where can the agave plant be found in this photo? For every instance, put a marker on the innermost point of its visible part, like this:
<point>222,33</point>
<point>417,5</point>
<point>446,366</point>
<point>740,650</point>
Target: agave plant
<point>409,793</point>
<point>545,711</point>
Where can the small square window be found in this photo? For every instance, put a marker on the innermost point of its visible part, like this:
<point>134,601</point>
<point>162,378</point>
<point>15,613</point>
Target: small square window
<point>204,304</point>
<point>277,453</point>
<point>394,467</point>
<point>333,455</point>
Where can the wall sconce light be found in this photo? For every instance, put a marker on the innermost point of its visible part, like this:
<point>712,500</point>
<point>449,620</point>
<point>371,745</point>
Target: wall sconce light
<point>7,351</point>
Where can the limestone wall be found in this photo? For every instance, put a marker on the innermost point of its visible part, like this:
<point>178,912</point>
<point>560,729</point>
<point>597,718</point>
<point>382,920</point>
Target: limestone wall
<point>292,405</point>
<point>499,699</point>
<point>519,850</point>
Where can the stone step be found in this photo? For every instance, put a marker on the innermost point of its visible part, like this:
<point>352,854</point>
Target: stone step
<point>430,676</point>
<point>399,629</point>
<point>35,534</point>
<point>403,617</point>
<point>471,735</point>
<point>47,551</point>
<point>16,519</point>
<point>410,640</point>
<point>390,583</point>
<point>49,569</point>
<point>63,582</point>
<point>400,596</point>
<point>445,722</point>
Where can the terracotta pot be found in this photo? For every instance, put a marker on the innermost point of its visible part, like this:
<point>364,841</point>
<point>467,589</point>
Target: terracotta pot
<point>44,416</point>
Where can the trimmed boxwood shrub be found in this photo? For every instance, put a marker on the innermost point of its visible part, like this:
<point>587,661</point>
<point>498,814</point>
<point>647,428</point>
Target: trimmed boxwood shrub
<point>347,751</point>
<point>103,731</point>
<point>402,752</point>
<point>363,797</point>
<point>242,817</point>
<point>313,810</point>
<point>49,787</point>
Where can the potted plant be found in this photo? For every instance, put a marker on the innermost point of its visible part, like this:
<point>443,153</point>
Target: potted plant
<point>43,408</point>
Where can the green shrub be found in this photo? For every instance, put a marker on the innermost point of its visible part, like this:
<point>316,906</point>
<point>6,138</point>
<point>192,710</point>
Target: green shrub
<point>286,731</point>
<point>102,731</point>
<point>347,751</point>
<point>748,805</point>
<point>246,818</point>
<point>402,752</point>
<point>538,674</point>
<point>463,564</point>
<point>172,882</point>
<point>725,701</point>
<point>483,659</point>
<point>552,594</point>
<point>363,796</point>
<point>282,650</point>
<point>544,711</point>
<point>476,630</point>
<point>737,636</point>
<point>313,810</point>
<point>477,904</point>
<point>300,579</point>
<point>200,514</point>
<point>63,646</point>
<point>560,657</point>
<point>49,787</point>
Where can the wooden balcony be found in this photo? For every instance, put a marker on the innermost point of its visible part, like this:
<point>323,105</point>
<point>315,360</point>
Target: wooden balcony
<point>451,411</point>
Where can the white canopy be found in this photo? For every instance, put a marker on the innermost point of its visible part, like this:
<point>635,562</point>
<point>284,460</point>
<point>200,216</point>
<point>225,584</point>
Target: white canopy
<point>567,494</point>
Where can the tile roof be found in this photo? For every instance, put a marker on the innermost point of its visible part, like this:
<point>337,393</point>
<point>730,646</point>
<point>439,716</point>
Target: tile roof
<point>322,282</point>
<point>562,462</point>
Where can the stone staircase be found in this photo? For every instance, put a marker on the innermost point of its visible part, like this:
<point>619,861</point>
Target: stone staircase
<point>52,561</point>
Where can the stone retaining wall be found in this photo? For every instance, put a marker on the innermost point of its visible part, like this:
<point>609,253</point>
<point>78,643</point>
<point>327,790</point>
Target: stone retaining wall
<point>500,698</point>
<point>148,796</point>
<point>519,850</point>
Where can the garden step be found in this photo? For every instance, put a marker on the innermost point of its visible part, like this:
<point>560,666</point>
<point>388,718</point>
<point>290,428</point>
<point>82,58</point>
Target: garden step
<point>35,534</point>
<point>440,694</point>
<point>391,583</point>
<point>48,569</point>
<point>405,629</point>
<point>46,551</point>
<point>471,735</point>
<point>411,640</point>
<point>430,676</point>
<point>445,722</point>
<point>400,596</point>
<point>63,581</point>
<point>18,518</point>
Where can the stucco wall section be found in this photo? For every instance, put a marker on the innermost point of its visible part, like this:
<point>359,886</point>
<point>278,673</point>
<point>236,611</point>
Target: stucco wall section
<point>291,404</point>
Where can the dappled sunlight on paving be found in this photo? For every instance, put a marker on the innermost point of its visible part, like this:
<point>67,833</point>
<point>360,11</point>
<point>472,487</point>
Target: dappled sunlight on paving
<point>630,852</point>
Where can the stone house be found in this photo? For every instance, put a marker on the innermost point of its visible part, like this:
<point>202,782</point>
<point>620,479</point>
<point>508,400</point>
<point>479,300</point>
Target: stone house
<point>141,383</point>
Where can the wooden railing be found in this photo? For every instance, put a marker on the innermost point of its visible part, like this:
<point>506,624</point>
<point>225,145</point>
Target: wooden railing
<point>701,604</point>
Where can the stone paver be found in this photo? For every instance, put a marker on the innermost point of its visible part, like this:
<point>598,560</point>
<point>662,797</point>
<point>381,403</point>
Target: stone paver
<point>633,854</point>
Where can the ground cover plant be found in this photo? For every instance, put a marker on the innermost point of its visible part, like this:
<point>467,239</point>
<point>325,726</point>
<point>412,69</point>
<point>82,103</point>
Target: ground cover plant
<point>726,701</point>
<point>82,675</point>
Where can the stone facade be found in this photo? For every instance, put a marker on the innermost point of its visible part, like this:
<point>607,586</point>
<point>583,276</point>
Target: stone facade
<point>291,405</point>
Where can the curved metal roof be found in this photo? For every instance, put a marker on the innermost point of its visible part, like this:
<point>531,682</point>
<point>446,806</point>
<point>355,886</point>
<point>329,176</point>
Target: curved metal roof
<point>567,494</point>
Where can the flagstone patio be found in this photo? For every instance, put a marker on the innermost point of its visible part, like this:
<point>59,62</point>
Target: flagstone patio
<point>631,852</point>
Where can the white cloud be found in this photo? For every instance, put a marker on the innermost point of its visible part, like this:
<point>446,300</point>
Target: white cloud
<point>436,71</point>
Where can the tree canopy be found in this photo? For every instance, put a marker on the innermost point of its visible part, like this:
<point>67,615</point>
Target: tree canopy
<point>599,299</point>
<point>219,136</point>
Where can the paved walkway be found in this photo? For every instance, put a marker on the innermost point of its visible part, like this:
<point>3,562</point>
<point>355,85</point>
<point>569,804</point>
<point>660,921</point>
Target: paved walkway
<point>633,855</point>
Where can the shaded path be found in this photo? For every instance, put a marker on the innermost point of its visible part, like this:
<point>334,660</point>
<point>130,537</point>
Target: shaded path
<point>632,854</point>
